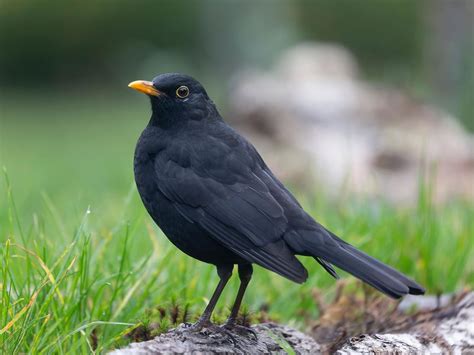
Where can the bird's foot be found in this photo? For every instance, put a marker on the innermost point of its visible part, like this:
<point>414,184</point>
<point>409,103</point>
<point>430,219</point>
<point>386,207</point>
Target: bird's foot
<point>206,327</point>
<point>198,326</point>
<point>236,328</point>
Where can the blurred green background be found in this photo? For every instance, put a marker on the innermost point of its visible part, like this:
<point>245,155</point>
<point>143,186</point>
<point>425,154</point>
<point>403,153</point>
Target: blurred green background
<point>68,127</point>
<point>65,66</point>
<point>423,46</point>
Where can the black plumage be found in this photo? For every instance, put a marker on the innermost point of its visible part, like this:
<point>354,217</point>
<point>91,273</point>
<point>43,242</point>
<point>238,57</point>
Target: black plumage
<point>214,197</point>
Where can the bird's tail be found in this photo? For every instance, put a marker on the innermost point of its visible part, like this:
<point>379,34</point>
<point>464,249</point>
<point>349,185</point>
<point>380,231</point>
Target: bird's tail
<point>334,250</point>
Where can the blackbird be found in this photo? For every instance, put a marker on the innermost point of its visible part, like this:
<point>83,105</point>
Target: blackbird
<point>213,196</point>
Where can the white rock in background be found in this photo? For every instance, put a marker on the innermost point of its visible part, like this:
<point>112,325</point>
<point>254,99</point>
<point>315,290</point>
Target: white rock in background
<point>347,132</point>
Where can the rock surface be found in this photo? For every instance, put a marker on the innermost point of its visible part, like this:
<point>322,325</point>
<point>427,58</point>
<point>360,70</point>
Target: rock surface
<point>448,330</point>
<point>444,329</point>
<point>271,338</point>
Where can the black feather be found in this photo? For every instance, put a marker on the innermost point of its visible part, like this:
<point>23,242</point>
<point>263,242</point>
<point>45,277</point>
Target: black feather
<point>214,197</point>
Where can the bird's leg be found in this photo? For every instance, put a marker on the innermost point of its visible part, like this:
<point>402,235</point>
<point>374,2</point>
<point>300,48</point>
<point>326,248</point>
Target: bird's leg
<point>224,272</point>
<point>245,274</point>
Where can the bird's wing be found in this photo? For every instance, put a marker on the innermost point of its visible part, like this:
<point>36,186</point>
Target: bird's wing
<point>221,185</point>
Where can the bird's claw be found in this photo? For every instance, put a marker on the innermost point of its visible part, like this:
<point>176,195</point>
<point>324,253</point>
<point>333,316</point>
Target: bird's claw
<point>198,326</point>
<point>228,333</point>
<point>209,327</point>
<point>230,326</point>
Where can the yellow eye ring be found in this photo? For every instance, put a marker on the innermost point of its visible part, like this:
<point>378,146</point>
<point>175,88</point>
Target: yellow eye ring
<point>182,92</point>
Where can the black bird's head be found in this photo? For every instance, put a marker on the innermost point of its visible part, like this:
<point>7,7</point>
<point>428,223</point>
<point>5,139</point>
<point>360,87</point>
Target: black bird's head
<point>175,97</point>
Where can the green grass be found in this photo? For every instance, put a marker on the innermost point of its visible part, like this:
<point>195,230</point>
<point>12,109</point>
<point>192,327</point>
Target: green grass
<point>82,264</point>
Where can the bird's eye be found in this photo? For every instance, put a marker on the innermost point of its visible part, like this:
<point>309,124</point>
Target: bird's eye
<point>182,92</point>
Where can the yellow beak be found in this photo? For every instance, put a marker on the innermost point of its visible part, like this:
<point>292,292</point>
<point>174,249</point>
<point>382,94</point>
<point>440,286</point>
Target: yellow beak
<point>144,86</point>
